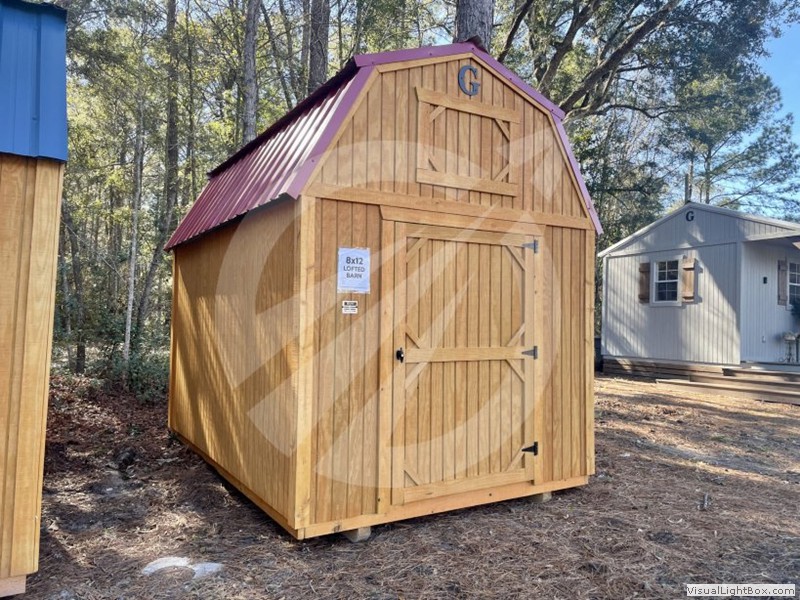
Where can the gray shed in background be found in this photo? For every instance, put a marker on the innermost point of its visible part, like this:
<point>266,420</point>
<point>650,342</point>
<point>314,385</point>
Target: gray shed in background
<point>702,285</point>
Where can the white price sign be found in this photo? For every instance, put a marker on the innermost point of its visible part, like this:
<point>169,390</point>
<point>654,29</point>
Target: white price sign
<point>353,271</point>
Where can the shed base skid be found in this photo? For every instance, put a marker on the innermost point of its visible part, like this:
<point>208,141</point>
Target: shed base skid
<point>420,508</point>
<point>12,586</point>
<point>656,369</point>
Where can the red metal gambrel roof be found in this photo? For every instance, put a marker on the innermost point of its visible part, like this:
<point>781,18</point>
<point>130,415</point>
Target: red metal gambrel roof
<point>280,161</point>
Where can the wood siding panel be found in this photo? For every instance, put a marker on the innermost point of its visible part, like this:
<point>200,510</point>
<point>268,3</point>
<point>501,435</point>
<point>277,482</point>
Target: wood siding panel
<point>706,330</point>
<point>391,135</point>
<point>565,448</point>
<point>30,196</point>
<point>345,421</point>
<point>235,352</point>
<point>461,416</point>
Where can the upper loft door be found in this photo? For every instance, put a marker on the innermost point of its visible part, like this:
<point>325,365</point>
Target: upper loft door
<point>464,377</point>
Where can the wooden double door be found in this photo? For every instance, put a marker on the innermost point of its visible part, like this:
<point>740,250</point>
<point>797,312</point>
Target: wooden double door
<point>464,376</point>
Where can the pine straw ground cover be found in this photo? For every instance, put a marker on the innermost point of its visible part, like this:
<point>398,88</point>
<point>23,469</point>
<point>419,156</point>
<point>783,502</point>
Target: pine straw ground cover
<point>689,488</point>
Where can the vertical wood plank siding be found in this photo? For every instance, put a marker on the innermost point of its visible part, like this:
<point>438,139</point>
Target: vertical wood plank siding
<point>379,150</point>
<point>468,144</point>
<point>446,428</point>
<point>30,196</point>
<point>235,351</point>
<point>567,401</point>
<point>345,432</point>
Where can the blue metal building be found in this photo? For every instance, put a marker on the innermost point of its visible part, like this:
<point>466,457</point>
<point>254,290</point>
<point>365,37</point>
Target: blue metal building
<point>33,92</point>
<point>33,149</point>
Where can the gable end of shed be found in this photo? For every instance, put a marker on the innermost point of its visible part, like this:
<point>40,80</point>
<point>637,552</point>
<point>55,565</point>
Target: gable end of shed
<point>414,132</point>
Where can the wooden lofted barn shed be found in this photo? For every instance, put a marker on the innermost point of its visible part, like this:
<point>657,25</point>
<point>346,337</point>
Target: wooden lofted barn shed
<point>383,304</point>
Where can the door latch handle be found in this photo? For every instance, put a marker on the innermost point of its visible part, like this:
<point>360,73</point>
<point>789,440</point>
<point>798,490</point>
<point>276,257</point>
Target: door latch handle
<point>400,355</point>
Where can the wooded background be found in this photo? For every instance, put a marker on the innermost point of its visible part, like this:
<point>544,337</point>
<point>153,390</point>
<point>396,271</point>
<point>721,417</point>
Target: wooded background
<point>665,102</point>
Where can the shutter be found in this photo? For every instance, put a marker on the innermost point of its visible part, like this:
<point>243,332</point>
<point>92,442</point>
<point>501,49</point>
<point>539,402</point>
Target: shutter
<point>644,282</point>
<point>783,284</point>
<point>687,279</point>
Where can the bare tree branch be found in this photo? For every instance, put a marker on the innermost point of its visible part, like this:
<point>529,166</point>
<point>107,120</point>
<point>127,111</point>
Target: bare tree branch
<point>608,65</point>
<point>515,25</point>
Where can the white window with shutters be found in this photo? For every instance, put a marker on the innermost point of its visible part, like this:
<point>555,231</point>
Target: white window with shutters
<point>669,282</point>
<point>666,282</point>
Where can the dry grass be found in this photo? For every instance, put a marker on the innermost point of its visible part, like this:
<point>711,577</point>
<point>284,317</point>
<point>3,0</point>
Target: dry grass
<point>689,488</point>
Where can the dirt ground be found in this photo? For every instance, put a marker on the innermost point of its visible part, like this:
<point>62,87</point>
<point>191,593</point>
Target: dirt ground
<point>689,488</point>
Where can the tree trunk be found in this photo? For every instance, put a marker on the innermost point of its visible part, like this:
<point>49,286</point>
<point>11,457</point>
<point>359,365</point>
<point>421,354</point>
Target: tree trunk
<point>283,73</point>
<point>249,71</point>
<point>474,21</point>
<point>707,177</point>
<point>170,166</point>
<point>318,43</point>
<point>295,73</point>
<point>190,89</point>
<point>305,48</point>
<point>66,302</point>
<point>77,283</point>
<point>138,167</point>
<point>116,204</point>
<point>339,34</point>
<point>520,13</point>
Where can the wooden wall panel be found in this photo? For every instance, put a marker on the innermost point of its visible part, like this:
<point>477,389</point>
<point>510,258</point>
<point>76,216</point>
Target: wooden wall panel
<point>235,351</point>
<point>345,421</point>
<point>382,144</point>
<point>30,196</point>
<point>566,449</point>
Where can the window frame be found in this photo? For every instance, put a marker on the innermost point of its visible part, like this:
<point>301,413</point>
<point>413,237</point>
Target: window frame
<point>654,301</point>
<point>789,284</point>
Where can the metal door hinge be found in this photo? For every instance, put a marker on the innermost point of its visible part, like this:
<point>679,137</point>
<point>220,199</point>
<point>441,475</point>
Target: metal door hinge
<point>533,449</point>
<point>534,352</point>
<point>534,245</point>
